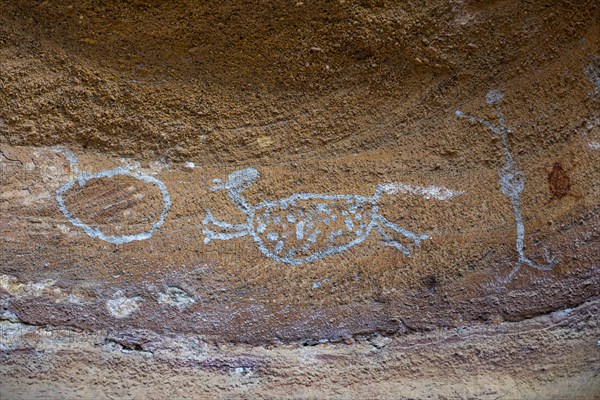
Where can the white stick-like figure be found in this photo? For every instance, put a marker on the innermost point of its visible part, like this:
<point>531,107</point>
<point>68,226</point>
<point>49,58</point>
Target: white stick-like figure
<point>512,182</point>
<point>305,226</point>
<point>591,130</point>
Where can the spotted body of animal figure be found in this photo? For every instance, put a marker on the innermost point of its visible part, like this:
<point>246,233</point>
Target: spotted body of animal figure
<point>305,226</point>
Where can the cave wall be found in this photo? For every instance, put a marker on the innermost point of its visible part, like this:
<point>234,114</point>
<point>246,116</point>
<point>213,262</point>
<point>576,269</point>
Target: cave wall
<point>345,199</point>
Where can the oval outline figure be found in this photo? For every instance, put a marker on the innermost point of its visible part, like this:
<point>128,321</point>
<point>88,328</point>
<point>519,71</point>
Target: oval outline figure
<point>84,177</point>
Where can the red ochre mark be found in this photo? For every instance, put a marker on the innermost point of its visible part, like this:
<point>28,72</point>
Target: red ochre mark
<point>559,183</point>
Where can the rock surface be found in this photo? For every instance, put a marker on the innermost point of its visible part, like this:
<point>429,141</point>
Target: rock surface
<point>300,199</point>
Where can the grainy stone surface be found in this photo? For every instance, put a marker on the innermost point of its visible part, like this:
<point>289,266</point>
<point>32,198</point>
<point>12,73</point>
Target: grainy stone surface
<point>547,357</point>
<point>118,118</point>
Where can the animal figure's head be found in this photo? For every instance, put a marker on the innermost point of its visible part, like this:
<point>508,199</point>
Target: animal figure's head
<point>237,181</point>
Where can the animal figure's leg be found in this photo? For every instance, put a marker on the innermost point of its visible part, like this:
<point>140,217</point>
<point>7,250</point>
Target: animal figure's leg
<point>211,235</point>
<point>384,222</point>
<point>239,229</point>
<point>210,219</point>
<point>390,242</point>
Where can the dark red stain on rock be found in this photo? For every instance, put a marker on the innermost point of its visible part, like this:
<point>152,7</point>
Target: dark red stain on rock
<point>559,181</point>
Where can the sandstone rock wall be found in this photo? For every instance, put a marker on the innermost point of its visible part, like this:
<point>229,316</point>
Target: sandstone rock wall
<point>349,199</point>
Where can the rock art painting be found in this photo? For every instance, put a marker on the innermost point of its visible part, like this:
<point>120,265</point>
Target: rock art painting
<point>82,178</point>
<point>305,226</point>
<point>559,183</point>
<point>591,133</point>
<point>512,182</point>
<point>429,192</point>
<point>592,72</point>
<point>592,127</point>
<point>366,253</point>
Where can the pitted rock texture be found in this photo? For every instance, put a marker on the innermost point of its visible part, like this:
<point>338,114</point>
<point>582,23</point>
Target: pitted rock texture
<point>547,357</point>
<point>330,98</point>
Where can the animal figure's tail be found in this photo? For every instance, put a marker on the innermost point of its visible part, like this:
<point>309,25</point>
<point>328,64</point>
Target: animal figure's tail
<point>237,181</point>
<point>427,192</point>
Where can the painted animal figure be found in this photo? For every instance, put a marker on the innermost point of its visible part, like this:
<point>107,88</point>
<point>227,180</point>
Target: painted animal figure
<point>305,226</point>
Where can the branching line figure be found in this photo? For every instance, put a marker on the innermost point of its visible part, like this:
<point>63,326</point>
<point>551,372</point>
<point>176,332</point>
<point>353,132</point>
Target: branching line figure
<point>512,182</point>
